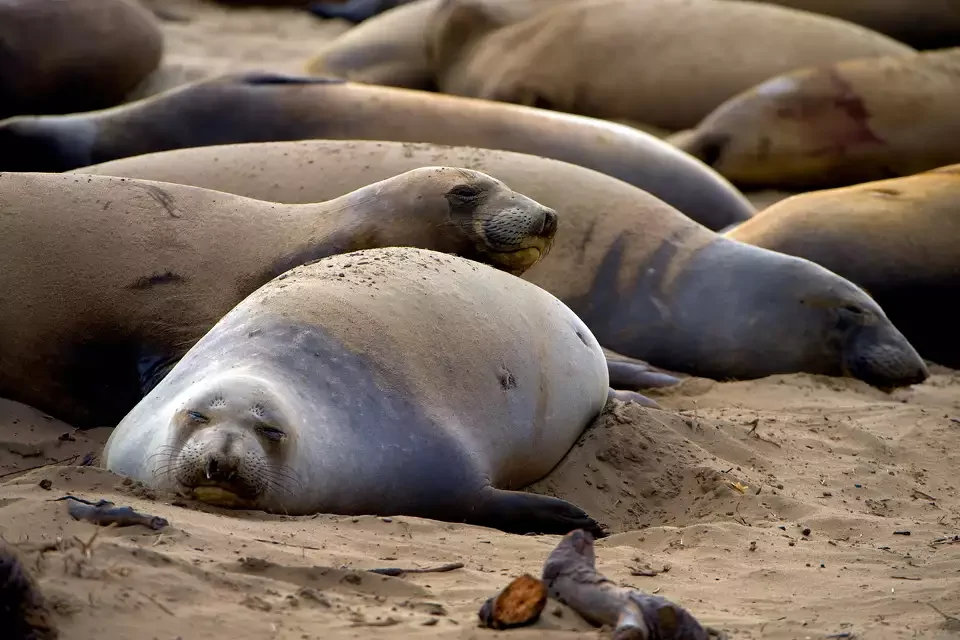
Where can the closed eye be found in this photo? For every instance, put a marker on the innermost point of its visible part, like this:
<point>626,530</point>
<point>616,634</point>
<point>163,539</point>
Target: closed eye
<point>466,191</point>
<point>271,433</point>
<point>196,416</point>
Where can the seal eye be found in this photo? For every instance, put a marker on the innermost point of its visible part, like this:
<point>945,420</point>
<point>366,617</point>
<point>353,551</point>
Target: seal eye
<point>271,433</point>
<point>196,416</point>
<point>853,309</point>
<point>465,191</point>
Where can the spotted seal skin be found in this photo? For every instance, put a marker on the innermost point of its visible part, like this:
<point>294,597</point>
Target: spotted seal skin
<point>271,107</point>
<point>61,57</point>
<point>113,279</point>
<point>393,381</point>
<point>899,239</point>
<point>649,282</point>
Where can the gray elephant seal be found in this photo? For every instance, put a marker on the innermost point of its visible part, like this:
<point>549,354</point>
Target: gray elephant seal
<point>387,381</point>
<point>270,107</point>
<point>61,57</point>
<point>114,278</point>
<point>649,282</point>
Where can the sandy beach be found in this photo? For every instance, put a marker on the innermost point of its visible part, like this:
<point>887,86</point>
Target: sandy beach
<point>789,507</point>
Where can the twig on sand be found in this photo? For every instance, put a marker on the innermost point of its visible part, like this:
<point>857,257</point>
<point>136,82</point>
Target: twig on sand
<point>105,513</point>
<point>392,571</point>
<point>287,544</point>
<point>570,576</point>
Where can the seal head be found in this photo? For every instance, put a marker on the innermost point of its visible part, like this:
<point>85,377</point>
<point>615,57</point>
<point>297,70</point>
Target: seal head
<point>231,439</point>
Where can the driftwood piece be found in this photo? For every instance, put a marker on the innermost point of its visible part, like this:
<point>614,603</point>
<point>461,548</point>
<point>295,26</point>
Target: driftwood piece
<point>105,513</point>
<point>571,577</point>
<point>518,605</point>
<point>24,614</point>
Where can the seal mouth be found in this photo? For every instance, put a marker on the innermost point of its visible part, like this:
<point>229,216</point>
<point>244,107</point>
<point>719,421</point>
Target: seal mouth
<point>518,261</point>
<point>219,496</point>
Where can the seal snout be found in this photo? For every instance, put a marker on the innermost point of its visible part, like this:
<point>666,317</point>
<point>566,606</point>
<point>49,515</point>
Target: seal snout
<point>220,468</point>
<point>548,228</point>
<point>882,357</point>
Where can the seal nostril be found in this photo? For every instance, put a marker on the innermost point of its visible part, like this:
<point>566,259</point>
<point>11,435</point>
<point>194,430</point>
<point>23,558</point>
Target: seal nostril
<point>549,223</point>
<point>211,469</point>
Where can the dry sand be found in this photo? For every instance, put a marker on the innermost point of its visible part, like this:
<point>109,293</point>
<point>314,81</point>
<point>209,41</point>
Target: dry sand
<point>715,491</point>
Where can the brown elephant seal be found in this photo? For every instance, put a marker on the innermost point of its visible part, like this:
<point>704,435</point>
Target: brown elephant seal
<point>925,24</point>
<point>676,60</point>
<point>899,239</point>
<point>393,381</point>
<point>61,57</point>
<point>649,282</point>
<point>115,278</point>
<point>388,50</point>
<point>856,121</point>
<point>274,107</point>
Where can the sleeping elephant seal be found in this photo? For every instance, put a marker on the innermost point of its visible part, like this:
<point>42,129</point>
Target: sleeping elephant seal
<point>110,280</point>
<point>355,11</point>
<point>899,239</point>
<point>925,24</point>
<point>648,281</point>
<point>61,56</point>
<point>675,61</point>
<point>273,107</point>
<point>856,121</point>
<point>391,381</point>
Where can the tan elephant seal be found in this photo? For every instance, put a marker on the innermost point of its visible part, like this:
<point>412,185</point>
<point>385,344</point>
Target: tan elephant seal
<point>391,381</point>
<point>856,121</point>
<point>676,60</point>
<point>388,50</point>
<point>110,280</point>
<point>649,282</point>
<point>925,24</point>
<point>273,107</point>
<point>898,239</point>
<point>61,56</point>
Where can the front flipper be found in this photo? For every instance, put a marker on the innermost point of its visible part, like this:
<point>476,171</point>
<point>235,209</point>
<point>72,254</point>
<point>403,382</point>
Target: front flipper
<point>630,373</point>
<point>521,512</point>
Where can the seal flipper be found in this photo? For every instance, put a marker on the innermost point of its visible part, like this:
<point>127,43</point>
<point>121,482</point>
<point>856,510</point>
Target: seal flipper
<point>355,11</point>
<point>152,368</point>
<point>631,373</point>
<point>521,512</point>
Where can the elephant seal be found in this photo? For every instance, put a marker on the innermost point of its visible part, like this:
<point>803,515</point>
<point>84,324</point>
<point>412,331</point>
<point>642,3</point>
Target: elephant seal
<point>925,24</point>
<point>113,279</point>
<point>355,11</point>
<point>273,107</point>
<point>388,50</point>
<point>393,381</point>
<point>899,239</point>
<point>853,122</point>
<point>61,57</point>
<point>649,282</point>
<point>676,61</point>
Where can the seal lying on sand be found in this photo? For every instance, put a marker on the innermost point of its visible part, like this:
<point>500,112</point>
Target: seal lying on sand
<point>60,57</point>
<point>675,61</point>
<point>852,122</point>
<point>898,239</point>
<point>649,282</point>
<point>110,280</point>
<point>386,381</point>
<point>269,107</point>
